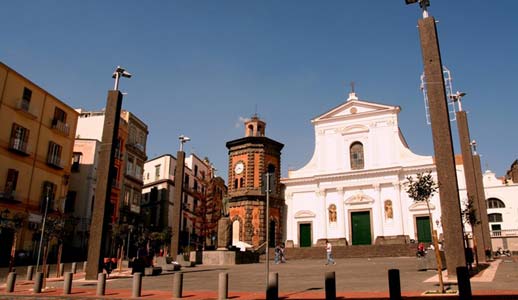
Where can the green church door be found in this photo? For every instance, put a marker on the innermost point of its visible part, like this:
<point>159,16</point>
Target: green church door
<point>305,235</point>
<point>423,229</point>
<point>361,228</point>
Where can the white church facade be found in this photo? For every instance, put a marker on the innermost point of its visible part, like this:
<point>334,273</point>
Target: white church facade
<point>353,190</point>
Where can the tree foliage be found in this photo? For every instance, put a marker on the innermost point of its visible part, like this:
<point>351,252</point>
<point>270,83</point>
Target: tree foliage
<point>422,188</point>
<point>469,213</point>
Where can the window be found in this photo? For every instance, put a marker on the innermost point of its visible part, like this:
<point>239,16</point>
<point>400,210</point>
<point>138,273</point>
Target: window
<point>186,181</point>
<point>26,99</point>
<point>54,155</point>
<point>138,170</point>
<point>10,182</point>
<point>356,156</point>
<point>48,194</point>
<point>195,187</point>
<point>127,194</point>
<point>195,171</point>
<point>59,115</point>
<point>241,182</point>
<point>129,165</point>
<point>19,138</point>
<point>157,172</point>
<point>495,203</point>
<point>235,183</point>
<point>76,160</point>
<point>494,218</point>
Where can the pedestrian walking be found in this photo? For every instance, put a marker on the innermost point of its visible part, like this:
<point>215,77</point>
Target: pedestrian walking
<point>277,254</point>
<point>283,253</point>
<point>329,253</point>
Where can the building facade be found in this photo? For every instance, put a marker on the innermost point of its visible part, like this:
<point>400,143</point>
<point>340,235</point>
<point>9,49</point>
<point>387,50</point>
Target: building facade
<point>353,190</point>
<point>130,156</point>
<point>250,158</point>
<point>36,142</point>
<point>203,194</point>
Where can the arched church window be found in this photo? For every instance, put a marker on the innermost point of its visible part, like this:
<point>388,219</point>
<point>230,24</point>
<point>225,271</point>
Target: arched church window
<point>494,218</point>
<point>241,182</point>
<point>356,156</point>
<point>495,203</point>
<point>250,130</point>
<point>235,183</point>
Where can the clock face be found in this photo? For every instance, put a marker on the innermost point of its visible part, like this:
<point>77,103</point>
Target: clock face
<point>239,168</point>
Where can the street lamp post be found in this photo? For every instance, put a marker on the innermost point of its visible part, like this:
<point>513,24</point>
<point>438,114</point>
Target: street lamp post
<point>105,175</point>
<point>177,199</point>
<point>43,227</point>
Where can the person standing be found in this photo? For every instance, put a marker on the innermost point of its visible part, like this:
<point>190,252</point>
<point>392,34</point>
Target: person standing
<point>329,253</point>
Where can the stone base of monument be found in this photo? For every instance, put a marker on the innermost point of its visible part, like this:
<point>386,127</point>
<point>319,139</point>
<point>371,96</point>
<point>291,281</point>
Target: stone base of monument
<point>152,271</point>
<point>429,262</point>
<point>226,257</point>
<point>167,264</point>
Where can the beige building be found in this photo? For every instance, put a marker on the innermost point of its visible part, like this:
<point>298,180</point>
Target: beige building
<point>129,164</point>
<point>36,140</point>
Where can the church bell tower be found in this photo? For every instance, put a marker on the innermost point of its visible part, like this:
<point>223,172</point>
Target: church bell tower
<point>249,159</point>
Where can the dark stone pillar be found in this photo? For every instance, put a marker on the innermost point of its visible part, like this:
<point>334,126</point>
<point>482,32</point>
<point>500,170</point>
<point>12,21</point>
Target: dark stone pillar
<point>484,222</point>
<point>443,146</point>
<point>177,204</point>
<point>471,183</point>
<point>101,214</point>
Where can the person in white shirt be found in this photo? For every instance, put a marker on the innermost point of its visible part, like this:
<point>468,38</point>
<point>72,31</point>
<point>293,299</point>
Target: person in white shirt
<point>329,253</point>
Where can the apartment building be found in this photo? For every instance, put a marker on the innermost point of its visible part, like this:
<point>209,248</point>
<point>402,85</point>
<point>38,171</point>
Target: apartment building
<point>129,160</point>
<point>36,141</point>
<point>203,194</point>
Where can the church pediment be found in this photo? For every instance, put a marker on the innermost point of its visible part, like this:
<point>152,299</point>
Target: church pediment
<point>304,214</point>
<point>421,205</point>
<point>359,198</point>
<point>354,107</point>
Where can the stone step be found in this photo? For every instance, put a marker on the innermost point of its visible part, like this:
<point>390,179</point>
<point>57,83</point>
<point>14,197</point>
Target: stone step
<point>356,251</point>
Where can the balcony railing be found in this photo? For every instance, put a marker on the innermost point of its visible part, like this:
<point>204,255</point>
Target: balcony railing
<point>60,126</point>
<point>504,233</point>
<point>18,145</point>
<point>24,106</point>
<point>54,161</point>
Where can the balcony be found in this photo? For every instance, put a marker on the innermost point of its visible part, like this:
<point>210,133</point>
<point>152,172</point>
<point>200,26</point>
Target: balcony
<point>61,127</point>
<point>23,106</point>
<point>55,162</point>
<point>18,146</point>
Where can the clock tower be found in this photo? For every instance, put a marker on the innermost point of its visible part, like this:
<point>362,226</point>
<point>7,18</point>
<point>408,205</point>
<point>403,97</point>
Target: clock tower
<point>249,158</point>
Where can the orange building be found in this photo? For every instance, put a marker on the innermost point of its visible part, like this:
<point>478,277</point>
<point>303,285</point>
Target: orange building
<point>36,140</point>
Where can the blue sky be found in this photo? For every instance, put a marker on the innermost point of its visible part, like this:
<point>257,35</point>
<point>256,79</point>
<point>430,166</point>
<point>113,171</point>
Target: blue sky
<point>200,67</point>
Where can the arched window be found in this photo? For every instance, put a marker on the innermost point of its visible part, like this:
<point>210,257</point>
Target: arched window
<point>356,156</point>
<point>495,218</point>
<point>235,183</point>
<point>241,182</point>
<point>495,203</point>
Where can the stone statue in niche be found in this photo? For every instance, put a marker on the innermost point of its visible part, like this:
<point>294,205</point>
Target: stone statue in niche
<point>389,214</point>
<point>332,213</point>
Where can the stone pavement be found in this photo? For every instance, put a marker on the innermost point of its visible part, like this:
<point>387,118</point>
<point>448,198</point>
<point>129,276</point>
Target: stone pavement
<point>357,278</point>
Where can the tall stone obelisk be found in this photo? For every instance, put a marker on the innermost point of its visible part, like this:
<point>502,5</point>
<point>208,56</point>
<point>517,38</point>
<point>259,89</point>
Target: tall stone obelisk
<point>443,146</point>
<point>101,214</point>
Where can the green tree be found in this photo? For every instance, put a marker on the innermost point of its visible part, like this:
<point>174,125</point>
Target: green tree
<point>422,189</point>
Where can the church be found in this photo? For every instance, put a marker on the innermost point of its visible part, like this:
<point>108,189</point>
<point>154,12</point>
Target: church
<point>353,190</point>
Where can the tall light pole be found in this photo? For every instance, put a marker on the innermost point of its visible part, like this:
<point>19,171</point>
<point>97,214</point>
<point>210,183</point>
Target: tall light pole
<point>442,140</point>
<point>105,175</point>
<point>177,199</point>
<point>43,227</point>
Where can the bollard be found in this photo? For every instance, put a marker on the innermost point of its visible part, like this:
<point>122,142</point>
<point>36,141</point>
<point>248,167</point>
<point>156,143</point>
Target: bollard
<point>74,267</point>
<point>38,283</point>
<point>394,284</point>
<point>272,291</point>
<point>30,271</point>
<point>11,282</point>
<point>67,283</point>
<point>330,285</point>
<point>223,286</point>
<point>101,284</point>
<point>177,285</point>
<point>61,269</point>
<point>84,267</point>
<point>464,283</point>
<point>137,285</point>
